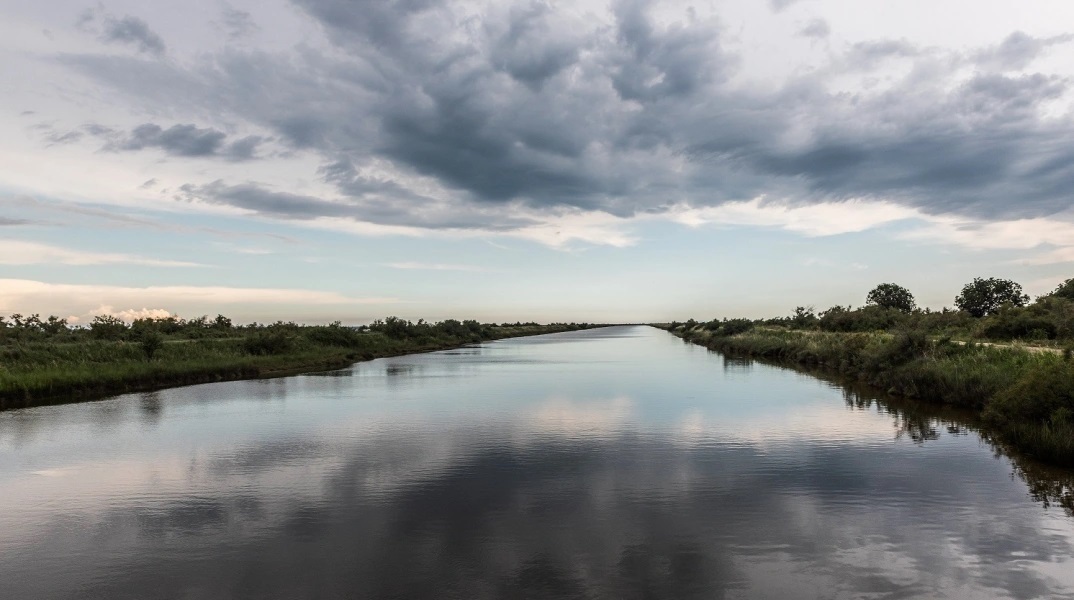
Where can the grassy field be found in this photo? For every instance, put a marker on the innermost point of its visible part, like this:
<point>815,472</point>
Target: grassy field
<point>1024,398</point>
<point>38,366</point>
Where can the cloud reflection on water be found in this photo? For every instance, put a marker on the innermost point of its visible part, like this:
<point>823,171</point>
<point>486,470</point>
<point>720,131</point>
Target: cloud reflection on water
<point>344,493</point>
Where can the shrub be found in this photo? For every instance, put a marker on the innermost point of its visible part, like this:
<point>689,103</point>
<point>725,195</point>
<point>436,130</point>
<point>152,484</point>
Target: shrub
<point>1043,395</point>
<point>334,334</point>
<point>150,343</point>
<point>271,340</point>
<point>107,327</point>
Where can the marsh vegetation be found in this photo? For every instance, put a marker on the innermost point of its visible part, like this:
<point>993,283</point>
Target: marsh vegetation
<point>1000,355</point>
<point>45,360</point>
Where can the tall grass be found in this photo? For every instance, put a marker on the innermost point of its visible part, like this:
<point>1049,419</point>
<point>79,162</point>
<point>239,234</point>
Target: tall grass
<point>1027,399</point>
<point>72,368</point>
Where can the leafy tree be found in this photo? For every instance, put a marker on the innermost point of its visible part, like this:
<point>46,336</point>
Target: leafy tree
<point>54,325</point>
<point>1065,289</point>
<point>986,296</point>
<point>804,316</point>
<point>107,327</point>
<point>890,295</point>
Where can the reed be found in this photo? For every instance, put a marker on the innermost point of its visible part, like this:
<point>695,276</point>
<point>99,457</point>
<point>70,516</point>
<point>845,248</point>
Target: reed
<point>1024,398</point>
<point>71,365</point>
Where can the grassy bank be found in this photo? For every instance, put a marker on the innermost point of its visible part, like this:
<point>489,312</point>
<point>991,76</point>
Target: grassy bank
<point>43,365</point>
<point>1026,399</point>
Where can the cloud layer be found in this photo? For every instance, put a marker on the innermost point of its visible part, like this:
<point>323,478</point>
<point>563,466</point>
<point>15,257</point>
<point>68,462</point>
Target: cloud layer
<point>446,114</point>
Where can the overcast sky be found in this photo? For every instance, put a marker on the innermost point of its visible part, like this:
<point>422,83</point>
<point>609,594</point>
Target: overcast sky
<point>627,160</point>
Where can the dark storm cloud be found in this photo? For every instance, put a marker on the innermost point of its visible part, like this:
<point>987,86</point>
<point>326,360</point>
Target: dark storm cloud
<point>532,106</point>
<point>128,30</point>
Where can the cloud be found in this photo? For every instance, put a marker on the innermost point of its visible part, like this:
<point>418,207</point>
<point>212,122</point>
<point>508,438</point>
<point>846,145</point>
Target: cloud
<point>123,30</point>
<point>1015,234</point>
<point>817,28</point>
<point>130,314</point>
<point>37,296</point>
<point>419,266</point>
<point>780,5</point>
<point>15,252</point>
<point>813,220</point>
<point>534,111</point>
<point>1018,50</point>
<point>185,140</point>
<point>238,23</point>
<point>125,218</point>
<point>9,222</point>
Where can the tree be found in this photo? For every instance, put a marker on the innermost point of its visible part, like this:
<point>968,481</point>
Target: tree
<point>890,295</point>
<point>1065,290</point>
<point>804,316</point>
<point>151,342</point>
<point>107,327</point>
<point>986,296</point>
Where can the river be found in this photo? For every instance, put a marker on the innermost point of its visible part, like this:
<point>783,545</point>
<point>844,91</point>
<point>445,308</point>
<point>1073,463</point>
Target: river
<point>608,463</point>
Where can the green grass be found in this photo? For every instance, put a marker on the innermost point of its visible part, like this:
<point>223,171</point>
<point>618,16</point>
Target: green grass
<point>1025,399</point>
<point>66,370</point>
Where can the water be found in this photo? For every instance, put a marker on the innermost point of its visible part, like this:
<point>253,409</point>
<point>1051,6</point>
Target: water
<point>615,463</point>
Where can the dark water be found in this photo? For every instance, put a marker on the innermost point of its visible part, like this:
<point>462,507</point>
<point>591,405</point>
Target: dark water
<point>614,463</point>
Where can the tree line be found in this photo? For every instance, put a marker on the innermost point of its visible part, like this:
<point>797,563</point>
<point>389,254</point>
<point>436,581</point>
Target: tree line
<point>986,308</point>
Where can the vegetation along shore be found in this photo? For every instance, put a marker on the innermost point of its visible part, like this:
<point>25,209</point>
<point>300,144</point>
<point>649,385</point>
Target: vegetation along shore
<point>997,353</point>
<point>47,361</point>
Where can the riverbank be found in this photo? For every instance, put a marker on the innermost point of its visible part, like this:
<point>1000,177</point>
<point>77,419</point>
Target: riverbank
<point>1024,398</point>
<point>74,368</point>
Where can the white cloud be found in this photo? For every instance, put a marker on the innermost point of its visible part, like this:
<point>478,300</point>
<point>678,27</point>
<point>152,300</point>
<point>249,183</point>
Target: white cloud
<point>17,252</point>
<point>1056,233</point>
<point>419,266</point>
<point>131,314</point>
<point>24,295</point>
<point>827,218</point>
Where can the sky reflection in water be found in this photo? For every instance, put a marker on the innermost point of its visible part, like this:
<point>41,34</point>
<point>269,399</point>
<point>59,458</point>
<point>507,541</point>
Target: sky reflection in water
<point>608,463</point>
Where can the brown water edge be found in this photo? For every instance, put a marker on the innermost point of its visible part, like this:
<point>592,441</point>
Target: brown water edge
<point>275,367</point>
<point>923,422</point>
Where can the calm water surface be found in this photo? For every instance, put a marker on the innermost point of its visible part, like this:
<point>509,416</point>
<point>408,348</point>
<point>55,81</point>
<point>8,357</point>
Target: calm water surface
<point>614,463</point>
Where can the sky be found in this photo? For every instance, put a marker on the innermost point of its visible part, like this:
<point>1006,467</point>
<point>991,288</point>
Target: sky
<point>612,161</point>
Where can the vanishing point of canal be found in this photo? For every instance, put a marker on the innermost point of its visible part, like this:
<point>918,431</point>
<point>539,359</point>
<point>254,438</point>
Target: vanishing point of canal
<point>608,463</point>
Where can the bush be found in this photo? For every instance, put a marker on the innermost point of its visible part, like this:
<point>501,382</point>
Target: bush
<point>735,326</point>
<point>1014,323</point>
<point>869,318</point>
<point>107,327</point>
<point>150,343</point>
<point>271,340</point>
<point>1043,395</point>
<point>334,335</point>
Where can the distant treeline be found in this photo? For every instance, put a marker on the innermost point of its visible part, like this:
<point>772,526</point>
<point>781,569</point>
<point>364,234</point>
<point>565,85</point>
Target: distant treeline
<point>986,309</point>
<point>1025,395</point>
<point>46,360</point>
<point>34,327</point>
